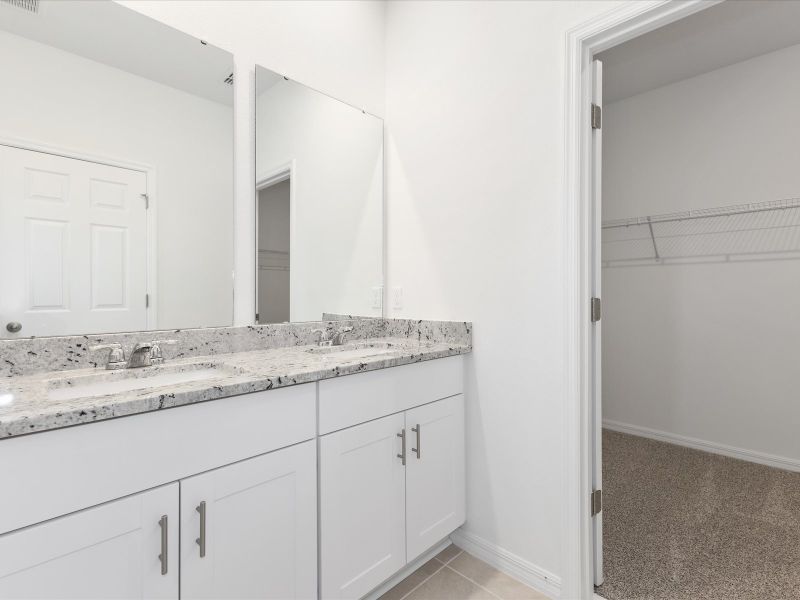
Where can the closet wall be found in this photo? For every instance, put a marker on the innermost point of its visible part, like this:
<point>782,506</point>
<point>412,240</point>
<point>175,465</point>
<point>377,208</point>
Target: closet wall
<point>706,352</point>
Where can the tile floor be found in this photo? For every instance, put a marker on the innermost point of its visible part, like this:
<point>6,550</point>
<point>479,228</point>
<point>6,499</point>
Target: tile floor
<point>455,575</point>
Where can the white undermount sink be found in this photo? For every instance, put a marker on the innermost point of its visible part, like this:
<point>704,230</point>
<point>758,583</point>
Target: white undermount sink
<point>354,349</point>
<point>127,380</point>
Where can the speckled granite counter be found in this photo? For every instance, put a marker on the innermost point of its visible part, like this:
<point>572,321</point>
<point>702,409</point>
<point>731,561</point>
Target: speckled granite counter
<point>31,397</point>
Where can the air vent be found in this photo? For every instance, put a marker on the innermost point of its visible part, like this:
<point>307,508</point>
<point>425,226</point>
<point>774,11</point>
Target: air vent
<point>229,79</point>
<point>31,6</point>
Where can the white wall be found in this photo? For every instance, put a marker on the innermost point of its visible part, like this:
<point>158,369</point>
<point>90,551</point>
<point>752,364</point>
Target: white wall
<point>63,100</point>
<point>337,195</point>
<point>334,46</point>
<point>706,351</point>
<point>474,113</point>
<point>474,191</point>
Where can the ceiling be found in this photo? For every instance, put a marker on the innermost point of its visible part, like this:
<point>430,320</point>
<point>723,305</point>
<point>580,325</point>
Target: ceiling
<point>716,37</point>
<point>111,34</point>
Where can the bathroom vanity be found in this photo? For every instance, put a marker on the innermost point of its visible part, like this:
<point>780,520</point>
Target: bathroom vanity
<point>298,471</point>
<point>291,458</point>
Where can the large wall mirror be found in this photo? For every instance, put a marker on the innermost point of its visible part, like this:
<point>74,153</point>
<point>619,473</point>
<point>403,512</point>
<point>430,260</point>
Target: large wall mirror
<point>116,173</point>
<point>319,204</point>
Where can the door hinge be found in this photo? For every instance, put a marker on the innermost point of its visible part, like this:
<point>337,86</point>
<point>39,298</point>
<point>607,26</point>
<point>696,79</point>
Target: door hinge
<point>596,310</point>
<point>146,200</point>
<point>597,116</point>
<point>596,502</point>
<point>147,300</point>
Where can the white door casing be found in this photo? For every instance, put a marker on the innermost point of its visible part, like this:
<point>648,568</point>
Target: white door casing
<point>596,277</point>
<point>109,551</point>
<point>74,242</point>
<point>260,528</point>
<point>435,482</point>
<point>362,507</point>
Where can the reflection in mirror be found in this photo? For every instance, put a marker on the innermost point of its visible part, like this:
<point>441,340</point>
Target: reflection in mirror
<point>116,173</point>
<point>319,185</point>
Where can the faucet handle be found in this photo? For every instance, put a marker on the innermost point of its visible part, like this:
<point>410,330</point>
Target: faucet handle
<point>116,355</point>
<point>324,338</point>
<point>156,358</point>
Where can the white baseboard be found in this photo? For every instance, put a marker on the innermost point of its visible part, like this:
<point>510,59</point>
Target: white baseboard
<point>520,569</point>
<point>762,458</point>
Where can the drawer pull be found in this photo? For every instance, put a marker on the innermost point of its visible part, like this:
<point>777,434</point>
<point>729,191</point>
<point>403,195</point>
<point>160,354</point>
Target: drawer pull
<point>418,449</point>
<point>201,541</point>
<point>402,455</point>
<point>164,557</point>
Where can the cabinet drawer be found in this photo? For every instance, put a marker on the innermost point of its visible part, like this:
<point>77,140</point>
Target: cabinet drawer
<point>61,471</point>
<point>347,401</point>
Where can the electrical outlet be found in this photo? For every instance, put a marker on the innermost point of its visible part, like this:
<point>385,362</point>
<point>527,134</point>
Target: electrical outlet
<point>377,296</point>
<point>397,298</point>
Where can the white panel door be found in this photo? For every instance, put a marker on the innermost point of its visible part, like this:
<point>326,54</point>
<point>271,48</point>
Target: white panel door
<point>73,245</point>
<point>435,484</point>
<point>113,550</point>
<point>249,530</point>
<point>362,507</point>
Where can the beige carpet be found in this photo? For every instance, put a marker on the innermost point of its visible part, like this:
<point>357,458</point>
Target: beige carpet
<point>681,524</point>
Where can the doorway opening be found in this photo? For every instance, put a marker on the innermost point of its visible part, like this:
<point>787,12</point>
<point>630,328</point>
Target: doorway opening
<point>692,241</point>
<point>273,236</point>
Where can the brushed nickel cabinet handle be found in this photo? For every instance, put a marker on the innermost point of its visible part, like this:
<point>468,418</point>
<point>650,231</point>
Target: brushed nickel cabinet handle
<point>201,541</point>
<point>402,455</point>
<point>418,449</point>
<point>164,556</point>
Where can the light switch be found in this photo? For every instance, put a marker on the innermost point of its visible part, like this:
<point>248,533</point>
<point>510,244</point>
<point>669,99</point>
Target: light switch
<point>397,298</point>
<point>377,296</point>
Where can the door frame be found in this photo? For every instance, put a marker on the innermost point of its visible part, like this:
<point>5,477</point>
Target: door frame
<point>151,312</point>
<point>583,42</point>
<point>264,179</point>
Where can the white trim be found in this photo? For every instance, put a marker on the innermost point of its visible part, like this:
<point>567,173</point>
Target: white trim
<point>601,33</point>
<point>151,313</point>
<point>282,172</point>
<point>509,563</point>
<point>407,570</point>
<point>762,458</point>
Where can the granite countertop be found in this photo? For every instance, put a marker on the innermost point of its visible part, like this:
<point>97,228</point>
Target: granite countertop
<point>34,403</point>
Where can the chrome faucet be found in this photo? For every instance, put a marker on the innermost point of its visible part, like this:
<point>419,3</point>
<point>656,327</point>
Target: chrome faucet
<point>332,337</point>
<point>338,338</point>
<point>145,354</point>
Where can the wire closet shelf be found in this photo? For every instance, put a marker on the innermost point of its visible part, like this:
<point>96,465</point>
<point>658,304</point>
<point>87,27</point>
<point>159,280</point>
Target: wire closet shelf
<point>755,231</point>
<point>273,260</point>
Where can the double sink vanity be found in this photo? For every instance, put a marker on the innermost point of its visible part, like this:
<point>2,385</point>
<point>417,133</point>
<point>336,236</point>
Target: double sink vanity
<point>244,466</point>
<point>149,448</point>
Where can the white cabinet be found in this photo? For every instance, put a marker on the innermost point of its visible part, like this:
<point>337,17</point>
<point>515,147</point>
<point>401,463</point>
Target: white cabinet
<point>379,510</point>
<point>435,486</point>
<point>76,523</point>
<point>248,530</point>
<point>362,507</point>
<point>123,549</point>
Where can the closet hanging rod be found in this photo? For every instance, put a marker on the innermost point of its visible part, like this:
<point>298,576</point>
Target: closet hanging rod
<point>706,213</point>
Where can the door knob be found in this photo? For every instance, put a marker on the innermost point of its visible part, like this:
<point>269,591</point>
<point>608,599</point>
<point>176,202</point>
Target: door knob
<point>14,327</point>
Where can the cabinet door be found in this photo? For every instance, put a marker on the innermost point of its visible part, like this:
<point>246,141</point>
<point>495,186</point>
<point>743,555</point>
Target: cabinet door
<point>362,507</point>
<point>256,523</point>
<point>113,550</point>
<point>435,490</point>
